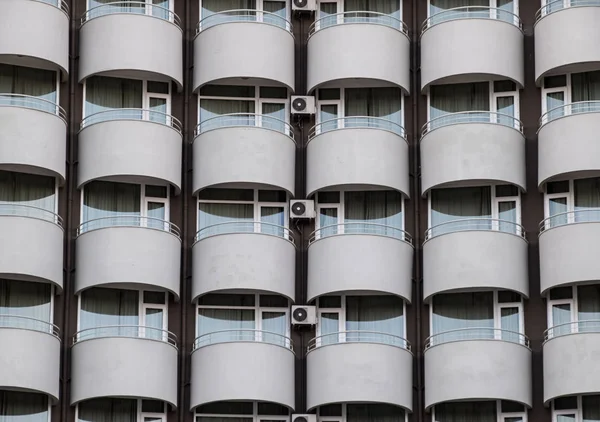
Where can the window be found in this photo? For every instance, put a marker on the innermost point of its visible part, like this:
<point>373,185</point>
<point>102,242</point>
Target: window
<point>481,411</point>
<point>24,407</point>
<point>573,309</point>
<point>360,212</point>
<point>573,93</point>
<point>107,312</point>
<point>386,12</point>
<point>26,304</point>
<point>371,319</point>
<point>360,107</point>
<point>576,409</point>
<point>223,211</point>
<point>571,201</point>
<point>107,98</point>
<point>476,315</point>
<point>475,208</point>
<point>479,102</point>
<point>445,10</point>
<point>242,411</point>
<point>30,88</point>
<point>121,410</point>
<point>363,412</point>
<point>227,106</point>
<point>244,317</point>
<point>551,6</point>
<point>108,204</point>
<point>158,8</point>
<point>273,12</point>
<point>29,195</point>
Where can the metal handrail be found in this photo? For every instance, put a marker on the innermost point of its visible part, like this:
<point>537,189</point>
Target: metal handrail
<point>558,5</point>
<point>21,210</point>
<point>356,122</point>
<point>471,12</point>
<point>588,215</point>
<point>129,331</point>
<point>579,107</point>
<point>476,333</point>
<point>136,114</point>
<point>573,327</point>
<point>29,323</point>
<point>242,335</point>
<point>476,224</point>
<point>353,228</point>
<point>131,7</point>
<point>358,336</point>
<point>466,117</point>
<point>128,221</point>
<point>238,227</point>
<point>59,4</point>
<point>33,103</point>
<point>243,15</point>
<point>245,120</point>
<point>357,17</point>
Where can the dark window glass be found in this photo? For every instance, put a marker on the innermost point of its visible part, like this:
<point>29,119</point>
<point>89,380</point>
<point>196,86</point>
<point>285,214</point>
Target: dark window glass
<point>272,196</point>
<point>505,296</point>
<point>227,91</point>
<point>227,300</point>
<point>506,190</point>
<point>227,194</point>
<point>331,410</point>
<point>330,302</point>
<point>273,301</point>
<point>555,81</point>
<point>511,407</point>
<point>329,94</point>
<point>154,297</point>
<point>557,187</point>
<point>561,293</point>
<point>158,87</point>
<point>273,92</point>
<point>153,406</point>
<point>329,197</point>
<point>504,86</point>
<point>228,408</point>
<point>565,403</point>
<point>156,191</point>
<point>366,412</point>
<point>272,409</point>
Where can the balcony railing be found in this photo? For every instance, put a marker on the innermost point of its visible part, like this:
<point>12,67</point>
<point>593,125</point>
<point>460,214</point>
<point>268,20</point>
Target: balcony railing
<point>20,210</point>
<point>33,103</point>
<point>574,327</point>
<point>128,221</point>
<point>472,12</point>
<point>128,331</point>
<point>243,335</point>
<point>245,120</point>
<point>475,224</point>
<point>358,336</point>
<point>28,323</point>
<point>61,4</point>
<point>131,7</point>
<point>357,122</point>
<point>571,217</point>
<point>580,107</point>
<point>131,114</point>
<point>244,15</point>
<point>364,228</point>
<point>476,333</point>
<point>467,117</point>
<point>357,17</point>
<point>236,227</point>
<point>557,5</point>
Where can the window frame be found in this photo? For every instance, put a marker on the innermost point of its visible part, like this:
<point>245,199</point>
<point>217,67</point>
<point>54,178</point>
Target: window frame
<point>259,8</point>
<point>492,4</point>
<point>139,414</point>
<point>344,416</point>
<point>341,11</point>
<point>500,416</point>
<point>254,416</point>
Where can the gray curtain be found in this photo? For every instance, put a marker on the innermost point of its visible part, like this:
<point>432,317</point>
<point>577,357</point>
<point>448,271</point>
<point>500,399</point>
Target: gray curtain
<point>26,299</point>
<point>588,301</point>
<point>382,314</point>
<point>374,413</point>
<point>110,199</point>
<point>212,9</point>
<point>390,8</point>
<point>210,108</point>
<point>591,408</point>
<point>383,103</point>
<point>438,6</point>
<point>27,81</point>
<point>101,307</point>
<point>116,6</point>
<point>455,98</point>
<point>587,199</point>
<point>464,312</point>
<point>215,321</point>
<point>481,411</point>
<point>460,204</point>
<point>275,322</point>
<point>211,215</point>
<point>277,13</point>
<point>105,93</point>
<point>585,87</point>
<point>377,207</point>
<point>108,410</point>
<point>23,407</point>
<point>26,189</point>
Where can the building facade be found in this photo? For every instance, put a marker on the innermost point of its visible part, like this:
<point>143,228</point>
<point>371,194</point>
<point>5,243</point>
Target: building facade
<point>150,258</point>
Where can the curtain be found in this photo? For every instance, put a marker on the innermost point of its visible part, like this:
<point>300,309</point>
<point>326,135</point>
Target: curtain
<point>274,216</point>
<point>26,299</point>
<point>591,408</point>
<point>215,321</point>
<point>212,215</point>
<point>101,307</point>
<point>585,87</point>
<point>506,111</point>
<point>277,13</point>
<point>374,413</point>
<point>510,324</point>
<point>588,308</point>
<point>210,108</point>
<point>456,98</point>
<point>275,322</point>
<point>327,15</point>
<point>108,410</point>
<point>28,81</point>
<point>23,407</point>
<point>27,189</point>
<point>561,317</point>
<point>154,318</point>
<point>383,208</point>
<point>391,8</point>
<point>104,93</point>
<point>481,411</point>
<point>274,117</point>
<point>328,217</point>
<point>111,199</point>
<point>212,9</point>
<point>115,6</point>
<point>587,199</point>
<point>507,214</point>
<point>438,6</point>
<point>375,314</point>
<point>382,103</point>
<point>330,328</point>
<point>460,204</point>
<point>465,312</point>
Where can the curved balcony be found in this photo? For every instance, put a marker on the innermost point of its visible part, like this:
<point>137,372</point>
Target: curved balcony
<point>359,366</point>
<point>40,257</point>
<point>471,44</point>
<point>224,356</point>
<point>475,253</point>
<point>570,359</point>
<point>33,136</point>
<point>134,144</point>
<point>567,147</point>
<point>244,148</point>
<point>481,146</point>
<point>128,251</point>
<point>567,244</point>
<point>554,54</point>
<point>362,151</point>
<point>124,361</point>
<point>24,34</point>
<point>371,47</point>
<point>360,257</point>
<point>478,355</point>
<point>30,358</point>
<point>242,45</point>
<point>244,255</point>
<point>131,39</point>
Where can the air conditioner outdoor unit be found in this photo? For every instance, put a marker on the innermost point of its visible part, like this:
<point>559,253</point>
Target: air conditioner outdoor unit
<point>303,104</point>
<point>304,5</point>
<point>304,315</point>
<point>302,208</point>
